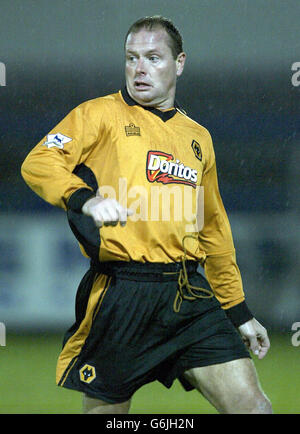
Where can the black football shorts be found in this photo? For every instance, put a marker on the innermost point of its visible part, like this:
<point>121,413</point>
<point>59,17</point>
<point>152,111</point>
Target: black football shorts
<point>129,331</point>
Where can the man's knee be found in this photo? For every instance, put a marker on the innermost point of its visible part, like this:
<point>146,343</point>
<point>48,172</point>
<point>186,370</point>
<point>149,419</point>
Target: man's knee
<point>249,401</point>
<point>231,387</point>
<point>97,406</point>
<point>260,405</point>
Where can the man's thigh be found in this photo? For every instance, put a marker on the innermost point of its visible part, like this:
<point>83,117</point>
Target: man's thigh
<point>97,406</point>
<point>231,387</point>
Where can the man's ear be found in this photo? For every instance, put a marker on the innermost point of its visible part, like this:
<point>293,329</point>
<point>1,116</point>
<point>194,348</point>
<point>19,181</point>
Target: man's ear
<point>180,61</point>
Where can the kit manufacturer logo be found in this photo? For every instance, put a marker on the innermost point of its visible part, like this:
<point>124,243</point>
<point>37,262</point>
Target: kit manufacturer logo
<point>132,130</point>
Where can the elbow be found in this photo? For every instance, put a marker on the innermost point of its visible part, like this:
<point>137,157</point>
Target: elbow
<point>28,171</point>
<point>25,170</point>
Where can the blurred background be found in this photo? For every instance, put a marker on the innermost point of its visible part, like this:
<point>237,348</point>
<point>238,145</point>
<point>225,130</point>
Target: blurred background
<point>238,83</point>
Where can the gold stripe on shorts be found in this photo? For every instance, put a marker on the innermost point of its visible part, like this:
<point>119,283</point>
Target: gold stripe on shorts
<point>73,346</point>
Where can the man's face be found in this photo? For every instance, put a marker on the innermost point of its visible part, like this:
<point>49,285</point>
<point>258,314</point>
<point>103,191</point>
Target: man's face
<point>151,70</point>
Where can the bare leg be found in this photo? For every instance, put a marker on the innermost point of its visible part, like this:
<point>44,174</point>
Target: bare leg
<point>96,406</point>
<point>231,387</point>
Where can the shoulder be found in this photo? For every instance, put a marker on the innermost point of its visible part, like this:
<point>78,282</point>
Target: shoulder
<point>201,135</point>
<point>107,102</point>
<point>98,111</point>
<point>200,132</point>
<point>188,122</point>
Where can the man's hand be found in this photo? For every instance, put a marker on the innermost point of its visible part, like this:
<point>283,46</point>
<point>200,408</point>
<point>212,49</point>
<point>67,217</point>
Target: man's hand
<point>255,337</point>
<point>107,212</point>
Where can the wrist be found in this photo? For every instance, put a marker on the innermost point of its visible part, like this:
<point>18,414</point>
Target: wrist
<point>239,314</point>
<point>78,199</point>
<point>91,202</point>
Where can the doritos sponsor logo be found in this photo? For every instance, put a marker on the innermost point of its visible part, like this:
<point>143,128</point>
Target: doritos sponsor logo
<point>162,167</point>
<point>56,140</point>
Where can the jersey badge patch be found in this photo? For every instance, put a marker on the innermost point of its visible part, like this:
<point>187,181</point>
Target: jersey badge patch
<point>132,130</point>
<point>197,149</point>
<point>56,140</point>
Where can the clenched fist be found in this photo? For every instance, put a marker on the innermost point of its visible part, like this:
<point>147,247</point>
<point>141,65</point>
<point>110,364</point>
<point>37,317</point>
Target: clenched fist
<point>107,212</point>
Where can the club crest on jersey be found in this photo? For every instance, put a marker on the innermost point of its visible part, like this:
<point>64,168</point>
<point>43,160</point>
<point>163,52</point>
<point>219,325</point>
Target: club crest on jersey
<point>56,140</point>
<point>197,149</point>
<point>161,167</point>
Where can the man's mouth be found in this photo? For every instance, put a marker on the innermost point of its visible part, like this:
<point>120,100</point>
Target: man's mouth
<point>141,85</point>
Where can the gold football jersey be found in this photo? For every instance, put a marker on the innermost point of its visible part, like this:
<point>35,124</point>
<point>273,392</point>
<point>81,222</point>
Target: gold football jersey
<point>161,164</point>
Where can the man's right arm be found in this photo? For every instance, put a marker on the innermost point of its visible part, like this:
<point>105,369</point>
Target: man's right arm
<point>48,168</point>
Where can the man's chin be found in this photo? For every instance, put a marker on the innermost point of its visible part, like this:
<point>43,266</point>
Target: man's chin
<point>142,97</point>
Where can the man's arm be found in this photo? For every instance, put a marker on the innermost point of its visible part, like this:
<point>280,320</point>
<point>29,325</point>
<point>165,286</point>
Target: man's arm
<point>220,263</point>
<point>221,267</point>
<point>48,168</point>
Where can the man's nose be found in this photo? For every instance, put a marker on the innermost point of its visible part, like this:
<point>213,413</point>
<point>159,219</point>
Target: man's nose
<point>140,66</point>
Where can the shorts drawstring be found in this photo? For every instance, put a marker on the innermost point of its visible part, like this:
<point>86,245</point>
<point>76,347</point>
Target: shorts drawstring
<point>183,282</point>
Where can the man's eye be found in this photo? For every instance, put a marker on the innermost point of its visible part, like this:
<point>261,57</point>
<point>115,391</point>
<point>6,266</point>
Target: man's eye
<point>153,58</point>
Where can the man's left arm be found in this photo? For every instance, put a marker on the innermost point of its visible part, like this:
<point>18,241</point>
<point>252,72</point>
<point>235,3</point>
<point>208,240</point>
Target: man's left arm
<point>221,268</point>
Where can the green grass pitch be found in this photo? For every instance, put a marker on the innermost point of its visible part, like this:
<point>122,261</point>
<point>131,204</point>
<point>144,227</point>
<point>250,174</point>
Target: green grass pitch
<point>27,381</point>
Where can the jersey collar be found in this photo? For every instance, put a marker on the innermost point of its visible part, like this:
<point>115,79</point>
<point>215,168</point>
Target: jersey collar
<point>164,116</point>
